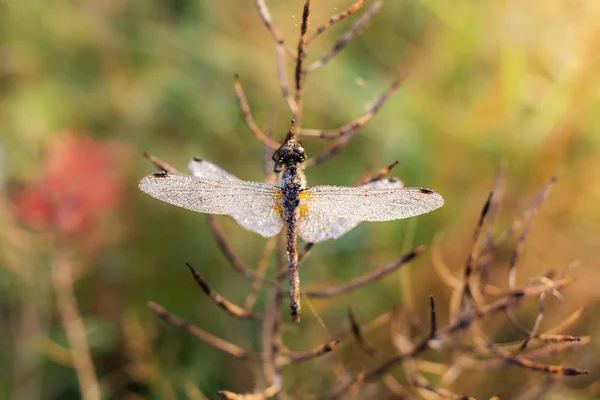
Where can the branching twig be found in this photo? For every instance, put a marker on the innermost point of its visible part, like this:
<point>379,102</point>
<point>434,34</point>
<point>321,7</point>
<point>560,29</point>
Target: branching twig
<point>227,251</point>
<point>349,129</point>
<point>461,324</point>
<point>358,335</point>
<point>366,279</point>
<point>356,28</point>
<point>377,176</point>
<point>466,291</point>
<point>346,132</point>
<point>298,357</point>
<point>206,337</point>
<point>521,242</point>
<point>529,364</point>
<point>280,48</point>
<point>160,164</point>
<point>231,308</point>
<point>263,263</point>
<point>245,108</point>
<point>299,72</point>
<point>420,382</point>
<point>337,18</point>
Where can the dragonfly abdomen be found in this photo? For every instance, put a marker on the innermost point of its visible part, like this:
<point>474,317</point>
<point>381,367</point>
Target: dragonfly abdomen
<point>292,182</point>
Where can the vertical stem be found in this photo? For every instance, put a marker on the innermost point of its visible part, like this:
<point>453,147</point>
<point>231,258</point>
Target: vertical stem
<point>62,279</point>
<point>299,71</point>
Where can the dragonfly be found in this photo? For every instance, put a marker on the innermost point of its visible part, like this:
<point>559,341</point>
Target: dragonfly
<point>314,213</point>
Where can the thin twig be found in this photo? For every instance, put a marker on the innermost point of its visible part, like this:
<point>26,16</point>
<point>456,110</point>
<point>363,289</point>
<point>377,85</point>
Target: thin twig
<point>518,222</point>
<point>537,323</point>
<point>231,308</point>
<point>529,364</point>
<point>298,357</point>
<point>351,128</point>
<point>216,342</point>
<point>305,252</point>
<point>160,164</point>
<point>420,382</point>
<point>440,266</point>
<point>346,132</point>
<point>280,49</point>
<point>263,263</point>
<point>356,28</point>
<point>268,150</point>
<point>271,337</point>
<point>336,18</point>
<point>246,113</point>
<point>537,391</point>
<point>532,354</point>
<point>463,323</point>
<point>488,247</point>
<point>570,320</point>
<point>368,278</point>
<point>227,251</point>
<point>299,72</point>
<point>358,335</point>
<point>377,176</point>
<point>433,318</point>
<point>521,242</point>
<point>512,268</point>
<point>466,292</point>
<point>66,302</point>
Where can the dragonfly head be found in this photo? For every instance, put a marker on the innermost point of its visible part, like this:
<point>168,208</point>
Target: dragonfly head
<point>290,152</point>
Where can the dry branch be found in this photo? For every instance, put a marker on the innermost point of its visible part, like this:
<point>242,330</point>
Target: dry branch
<point>337,18</point>
<point>72,322</point>
<point>377,176</point>
<point>346,132</point>
<point>160,164</point>
<point>214,341</point>
<point>529,364</point>
<point>227,251</point>
<point>469,265</point>
<point>280,49</point>
<point>263,263</point>
<point>358,335</point>
<point>366,279</point>
<point>341,43</point>
<point>420,382</point>
<point>245,108</point>
<point>298,357</point>
<point>301,55</point>
<point>231,308</point>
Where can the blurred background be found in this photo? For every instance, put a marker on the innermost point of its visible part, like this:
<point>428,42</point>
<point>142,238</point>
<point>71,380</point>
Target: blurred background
<point>87,86</point>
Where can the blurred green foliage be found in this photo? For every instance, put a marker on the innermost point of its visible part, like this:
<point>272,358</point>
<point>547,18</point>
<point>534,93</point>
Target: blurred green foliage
<point>490,82</point>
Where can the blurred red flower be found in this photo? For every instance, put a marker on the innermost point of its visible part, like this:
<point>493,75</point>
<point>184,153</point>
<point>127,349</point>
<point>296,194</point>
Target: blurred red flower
<point>77,186</point>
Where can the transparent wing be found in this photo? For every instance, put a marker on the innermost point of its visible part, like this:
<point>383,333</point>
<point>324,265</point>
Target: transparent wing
<point>322,206</point>
<point>204,169</point>
<point>315,225</point>
<point>253,205</point>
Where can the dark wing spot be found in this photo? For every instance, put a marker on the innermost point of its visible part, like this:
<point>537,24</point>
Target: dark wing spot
<point>198,159</point>
<point>425,191</point>
<point>162,174</point>
<point>393,180</point>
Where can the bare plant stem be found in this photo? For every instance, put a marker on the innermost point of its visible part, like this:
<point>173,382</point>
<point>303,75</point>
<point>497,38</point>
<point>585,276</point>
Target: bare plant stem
<point>62,280</point>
